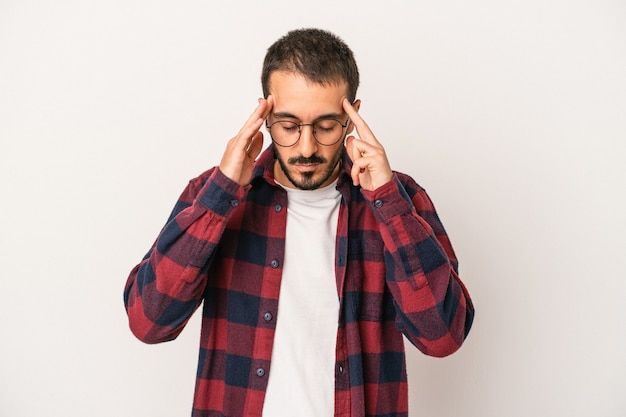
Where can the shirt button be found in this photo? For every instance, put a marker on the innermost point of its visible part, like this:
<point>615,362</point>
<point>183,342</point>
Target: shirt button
<point>278,208</point>
<point>267,316</point>
<point>274,263</point>
<point>260,372</point>
<point>378,203</point>
<point>234,203</point>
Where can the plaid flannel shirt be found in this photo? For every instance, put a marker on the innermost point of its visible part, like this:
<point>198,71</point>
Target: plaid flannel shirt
<point>223,245</point>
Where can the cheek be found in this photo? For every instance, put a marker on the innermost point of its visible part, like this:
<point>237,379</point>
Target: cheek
<point>335,153</point>
<point>283,154</point>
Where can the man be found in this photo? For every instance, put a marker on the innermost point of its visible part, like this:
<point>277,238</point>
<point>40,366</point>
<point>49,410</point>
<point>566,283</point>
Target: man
<point>311,259</point>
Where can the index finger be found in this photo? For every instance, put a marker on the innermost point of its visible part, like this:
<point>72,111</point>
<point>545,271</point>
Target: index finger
<point>255,121</point>
<point>362,128</point>
<point>269,103</point>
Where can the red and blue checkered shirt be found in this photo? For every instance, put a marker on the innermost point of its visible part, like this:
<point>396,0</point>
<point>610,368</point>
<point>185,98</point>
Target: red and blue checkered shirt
<point>224,245</point>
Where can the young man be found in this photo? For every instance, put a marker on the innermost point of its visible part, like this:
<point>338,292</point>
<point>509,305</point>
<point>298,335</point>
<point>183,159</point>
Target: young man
<point>311,259</point>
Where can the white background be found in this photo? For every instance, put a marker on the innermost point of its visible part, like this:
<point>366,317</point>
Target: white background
<point>510,113</point>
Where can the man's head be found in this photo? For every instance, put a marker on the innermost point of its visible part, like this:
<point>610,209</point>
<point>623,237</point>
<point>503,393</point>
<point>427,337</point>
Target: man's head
<point>308,74</point>
<point>317,55</point>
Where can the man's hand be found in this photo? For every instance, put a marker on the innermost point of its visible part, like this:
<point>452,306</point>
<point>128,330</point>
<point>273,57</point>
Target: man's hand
<point>242,150</point>
<point>370,166</point>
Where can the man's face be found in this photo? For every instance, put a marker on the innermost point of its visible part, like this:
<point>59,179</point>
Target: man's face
<point>307,164</point>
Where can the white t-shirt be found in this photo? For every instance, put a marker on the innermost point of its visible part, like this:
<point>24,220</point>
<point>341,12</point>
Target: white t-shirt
<point>302,375</point>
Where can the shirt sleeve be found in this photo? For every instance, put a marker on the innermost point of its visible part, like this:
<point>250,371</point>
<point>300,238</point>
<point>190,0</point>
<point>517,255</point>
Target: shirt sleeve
<point>167,286</point>
<point>433,307</point>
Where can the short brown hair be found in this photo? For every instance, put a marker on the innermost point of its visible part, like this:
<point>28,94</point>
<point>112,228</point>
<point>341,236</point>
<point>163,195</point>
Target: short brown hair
<point>318,55</point>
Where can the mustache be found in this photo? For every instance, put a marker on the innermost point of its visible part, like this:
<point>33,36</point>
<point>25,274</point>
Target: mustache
<point>313,159</point>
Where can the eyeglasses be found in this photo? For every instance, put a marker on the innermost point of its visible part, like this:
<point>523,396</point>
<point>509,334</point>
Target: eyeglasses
<point>326,132</point>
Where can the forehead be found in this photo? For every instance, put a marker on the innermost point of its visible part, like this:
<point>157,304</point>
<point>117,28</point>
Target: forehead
<point>294,94</point>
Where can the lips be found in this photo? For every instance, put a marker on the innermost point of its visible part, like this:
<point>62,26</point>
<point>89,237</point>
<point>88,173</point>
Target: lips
<point>306,167</point>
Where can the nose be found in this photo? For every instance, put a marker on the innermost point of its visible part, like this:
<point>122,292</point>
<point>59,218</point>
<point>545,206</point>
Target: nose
<point>307,143</point>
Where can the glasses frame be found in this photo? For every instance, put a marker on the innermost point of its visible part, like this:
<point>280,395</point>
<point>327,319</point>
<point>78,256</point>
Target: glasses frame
<point>300,125</point>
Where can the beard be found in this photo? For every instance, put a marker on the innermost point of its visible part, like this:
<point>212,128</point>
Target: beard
<point>309,180</point>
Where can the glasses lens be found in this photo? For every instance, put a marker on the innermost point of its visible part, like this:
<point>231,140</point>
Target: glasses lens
<point>327,132</point>
<point>285,133</point>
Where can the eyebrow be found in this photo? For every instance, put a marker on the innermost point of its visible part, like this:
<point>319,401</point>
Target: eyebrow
<point>287,115</point>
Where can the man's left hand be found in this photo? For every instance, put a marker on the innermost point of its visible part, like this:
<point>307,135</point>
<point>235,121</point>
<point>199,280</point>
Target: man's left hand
<point>370,167</point>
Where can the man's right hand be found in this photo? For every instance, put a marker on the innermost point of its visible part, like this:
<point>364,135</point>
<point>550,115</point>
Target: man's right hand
<point>242,150</point>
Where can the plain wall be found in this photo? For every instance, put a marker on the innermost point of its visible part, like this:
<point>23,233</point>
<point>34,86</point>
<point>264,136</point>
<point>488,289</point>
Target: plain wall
<point>510,113</point>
